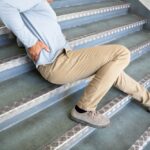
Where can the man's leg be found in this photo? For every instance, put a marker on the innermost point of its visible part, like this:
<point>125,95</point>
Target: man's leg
<point>104,78</point>
<point>106,62</point>
<point>128,85</point>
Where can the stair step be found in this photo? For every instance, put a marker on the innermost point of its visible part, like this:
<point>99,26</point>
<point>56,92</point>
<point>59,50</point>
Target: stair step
<point>49,124</point>
<point>134,39</point>
<point>10,50</point>
<point>100,26</point>
<point>98,37</point>
<point>81,15</point>
<point>125,128</point>
<point>37,97</point>
<point>142,141</point>
<point>25,85</point>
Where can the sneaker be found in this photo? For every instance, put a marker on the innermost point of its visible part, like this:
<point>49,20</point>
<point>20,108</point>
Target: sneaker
<point>92,118</point>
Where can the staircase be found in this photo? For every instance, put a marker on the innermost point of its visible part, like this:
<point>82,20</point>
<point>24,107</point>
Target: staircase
<point>34,114</point>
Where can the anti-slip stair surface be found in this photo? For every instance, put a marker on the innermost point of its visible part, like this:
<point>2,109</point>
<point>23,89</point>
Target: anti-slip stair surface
<point>100,26</point>
<point>133,39</point>
<point>10,50</point>
<point>53,122</point>
<point>21,87</point>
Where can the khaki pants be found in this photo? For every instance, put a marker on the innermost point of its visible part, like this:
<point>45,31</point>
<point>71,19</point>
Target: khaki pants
<point>106,62</point>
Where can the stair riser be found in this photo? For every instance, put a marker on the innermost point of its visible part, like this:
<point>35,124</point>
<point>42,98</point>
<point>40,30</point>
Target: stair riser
<point>77,133</point>
<point>68,3</point>
<point>29,110</point>
<point>16,71</point>
<point>140,53</point>
<point>8,39</point>
<point>102,38</point>
<point>92,18</point>
<point>40,103</point>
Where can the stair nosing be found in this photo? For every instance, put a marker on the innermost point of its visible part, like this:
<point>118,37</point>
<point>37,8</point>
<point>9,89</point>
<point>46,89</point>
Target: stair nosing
<point>142,141</point>
<point>83,40</point>
<point>86,13</point>
<point>102,34</point>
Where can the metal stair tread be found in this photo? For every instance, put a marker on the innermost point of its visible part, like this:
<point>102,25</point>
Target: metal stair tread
<point>100,26</point>
<point>17,89</point>
<point>134,39</point>
<point>43,126</point>
<point>10,50</point>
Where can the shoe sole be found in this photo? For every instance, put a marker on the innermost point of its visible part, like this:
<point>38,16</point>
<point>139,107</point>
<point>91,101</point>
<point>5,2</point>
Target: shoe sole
<point>87,123</point>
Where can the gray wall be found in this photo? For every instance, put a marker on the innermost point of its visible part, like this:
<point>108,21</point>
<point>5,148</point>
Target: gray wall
<point>138,8</point>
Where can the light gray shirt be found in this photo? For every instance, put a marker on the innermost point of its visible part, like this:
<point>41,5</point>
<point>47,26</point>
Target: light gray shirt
<point>32,20</point>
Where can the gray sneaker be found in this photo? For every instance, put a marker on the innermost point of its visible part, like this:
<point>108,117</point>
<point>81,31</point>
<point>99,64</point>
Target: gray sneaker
<point>92,118</point>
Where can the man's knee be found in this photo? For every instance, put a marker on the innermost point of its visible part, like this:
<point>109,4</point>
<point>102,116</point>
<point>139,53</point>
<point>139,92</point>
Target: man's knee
<point>125,52</point>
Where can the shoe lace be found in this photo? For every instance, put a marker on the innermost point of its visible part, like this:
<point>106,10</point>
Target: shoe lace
<point>93,114</point>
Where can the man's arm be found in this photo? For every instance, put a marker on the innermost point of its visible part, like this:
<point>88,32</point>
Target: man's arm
<point>12,19</point>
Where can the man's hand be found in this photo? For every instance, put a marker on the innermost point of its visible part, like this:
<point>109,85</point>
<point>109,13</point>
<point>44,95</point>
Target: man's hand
<point>35,50</point>
<point>49,1</point>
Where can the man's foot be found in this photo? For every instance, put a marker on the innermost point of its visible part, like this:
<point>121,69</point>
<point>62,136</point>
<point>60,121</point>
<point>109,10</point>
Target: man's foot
<point>92,118</point>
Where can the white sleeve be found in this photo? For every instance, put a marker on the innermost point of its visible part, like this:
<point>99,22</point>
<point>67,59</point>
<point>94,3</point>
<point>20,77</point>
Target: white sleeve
<point>12,19</point>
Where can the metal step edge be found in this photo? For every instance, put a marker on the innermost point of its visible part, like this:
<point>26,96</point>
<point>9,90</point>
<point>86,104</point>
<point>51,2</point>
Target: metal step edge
<point>79,132</point>
<point>142,141</point>
<point>84,40</point>
<point>91,12</point>
<point>71,16</point>
<point>45,99</point>
<point>18,61</point>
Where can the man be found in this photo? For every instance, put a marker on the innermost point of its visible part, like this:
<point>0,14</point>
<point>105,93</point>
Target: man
<point>35,24</point>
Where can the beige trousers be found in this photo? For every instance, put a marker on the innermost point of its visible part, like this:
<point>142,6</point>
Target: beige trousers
<point>106,63</point>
